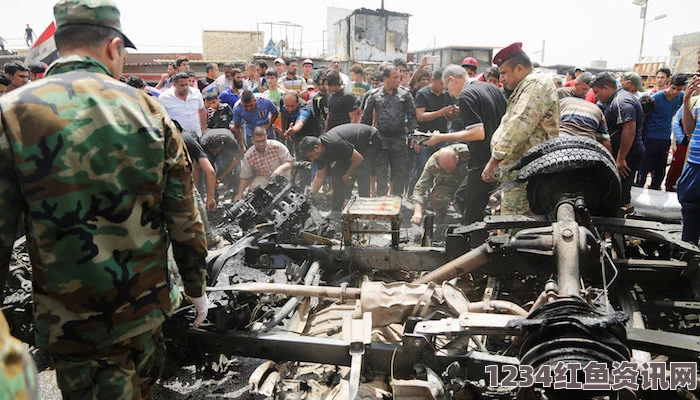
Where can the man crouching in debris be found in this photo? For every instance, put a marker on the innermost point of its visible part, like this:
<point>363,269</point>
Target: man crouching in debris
<point>349,152</point>
<point>443,173</point>
<point>104,181</point>
<point>265,159</point>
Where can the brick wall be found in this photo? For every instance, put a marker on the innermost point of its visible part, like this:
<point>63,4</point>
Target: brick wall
<point>230,45</point>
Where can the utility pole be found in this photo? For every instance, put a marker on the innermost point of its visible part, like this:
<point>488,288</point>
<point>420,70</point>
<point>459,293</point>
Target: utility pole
<point>542,55</point>
<point>643,16</point>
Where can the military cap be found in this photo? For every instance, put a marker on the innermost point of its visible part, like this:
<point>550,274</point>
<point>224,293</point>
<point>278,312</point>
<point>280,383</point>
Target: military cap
<point>507,53</point>
<point>89,12</point>
<point>635,78</point>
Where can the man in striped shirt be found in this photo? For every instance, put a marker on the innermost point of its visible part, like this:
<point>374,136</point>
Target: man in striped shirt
<point>292,81</point>
<point>583,118</point>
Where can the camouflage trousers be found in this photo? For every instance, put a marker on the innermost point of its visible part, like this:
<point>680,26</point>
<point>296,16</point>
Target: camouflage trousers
<point>392,154</point>
<point>514,200</point>
<point>124,370</point>
<point>440,197</point>
<point>202,207</point>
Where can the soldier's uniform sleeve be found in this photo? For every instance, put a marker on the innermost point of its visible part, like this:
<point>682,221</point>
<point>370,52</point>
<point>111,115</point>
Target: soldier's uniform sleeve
<point>10,203</point>
<point>424,185</point>
<point>524,116</point>
<point>411,112</point>
<point>181,215</point>
<point>367,114</point>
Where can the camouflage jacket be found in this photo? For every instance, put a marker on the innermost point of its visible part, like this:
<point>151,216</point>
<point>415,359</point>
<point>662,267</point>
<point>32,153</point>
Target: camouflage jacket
<point>104,181</point>
<point>433,175</point>
<point>18,376</point>
<point>532,117</point>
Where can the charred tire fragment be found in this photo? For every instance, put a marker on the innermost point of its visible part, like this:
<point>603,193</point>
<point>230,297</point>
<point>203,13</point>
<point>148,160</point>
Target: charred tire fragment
<point>559,143</point>
<point>572,170</point>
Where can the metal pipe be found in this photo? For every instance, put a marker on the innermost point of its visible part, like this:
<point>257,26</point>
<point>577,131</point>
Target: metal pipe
<point>292,303</point>
<point>330,292</point>
<point>566,247</point>
<point>498,305</point>
<point>461,265</point>
<point>550,292</point>
<point>541,299</point>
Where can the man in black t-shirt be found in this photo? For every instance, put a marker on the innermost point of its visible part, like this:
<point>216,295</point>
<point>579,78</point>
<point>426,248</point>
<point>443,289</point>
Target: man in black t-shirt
<point>433,110</point>
<point>319,99</point>
<point>297,120</point>
<point>349,152</point>
<point>341,104</point>
<point>29,36</point>
<point>201,162</point>
<point>212,74</point>
<point>219,114</point>
<point>481,107</point>
<point>625,118</point>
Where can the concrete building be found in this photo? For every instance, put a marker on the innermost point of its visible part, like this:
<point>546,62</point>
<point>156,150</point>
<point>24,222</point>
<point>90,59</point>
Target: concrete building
<point>455,55</point>
<point>333,15</point>
<point>685,47</point>
<point>231,45</point>
<point>371,35</point>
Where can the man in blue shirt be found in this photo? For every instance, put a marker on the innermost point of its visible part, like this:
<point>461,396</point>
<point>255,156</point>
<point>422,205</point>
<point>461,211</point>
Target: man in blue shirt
<point>624,116</point>
<point>658,132</point>
<point>232,94</point>
<point>689,182</point>
<point>682,141</point>
<point>253,110</point>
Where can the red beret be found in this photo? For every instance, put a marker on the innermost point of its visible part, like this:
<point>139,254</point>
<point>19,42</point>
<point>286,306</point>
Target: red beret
<point>507,52</point>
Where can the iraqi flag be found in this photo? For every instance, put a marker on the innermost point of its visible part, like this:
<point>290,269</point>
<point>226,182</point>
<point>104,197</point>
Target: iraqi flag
<point>44,49</point>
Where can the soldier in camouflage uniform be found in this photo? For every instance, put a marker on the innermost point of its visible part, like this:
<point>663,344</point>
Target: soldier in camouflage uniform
<point>443,173</point>
<point>532,117</point>
<point>103,178</point>
<point>17,369</point>
<point>395,112</point>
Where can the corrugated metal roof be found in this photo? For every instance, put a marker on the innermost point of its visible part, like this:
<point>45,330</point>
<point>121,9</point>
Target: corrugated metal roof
<point>459,48</point>
<point>381,12</point>
<point>159,58</point>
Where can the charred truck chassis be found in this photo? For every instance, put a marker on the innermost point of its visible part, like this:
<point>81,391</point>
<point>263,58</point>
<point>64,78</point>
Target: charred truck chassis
<point>590,281</point>
<point>566,322</point>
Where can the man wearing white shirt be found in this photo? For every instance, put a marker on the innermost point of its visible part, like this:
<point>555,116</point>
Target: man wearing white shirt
<point>253,81</point>
<point>226,79</point>
<point>335,66</point>
<point>185,104</point>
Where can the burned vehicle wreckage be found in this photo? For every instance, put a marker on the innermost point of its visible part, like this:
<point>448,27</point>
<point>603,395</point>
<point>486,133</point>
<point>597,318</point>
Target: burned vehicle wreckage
<point>512,306</point>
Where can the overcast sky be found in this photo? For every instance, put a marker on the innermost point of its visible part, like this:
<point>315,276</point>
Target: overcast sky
<point>574,32</point>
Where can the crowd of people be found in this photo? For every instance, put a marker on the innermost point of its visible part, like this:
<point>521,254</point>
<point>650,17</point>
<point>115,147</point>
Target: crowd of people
<point>497,115</point>
<point>109,172</point>
<point>418,118</point>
